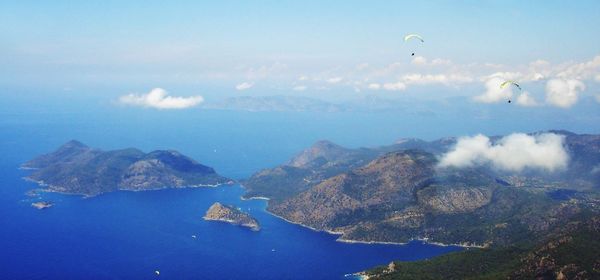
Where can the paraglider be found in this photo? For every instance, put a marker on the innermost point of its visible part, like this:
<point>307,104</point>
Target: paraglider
<point>413,37</point>
<point>507,83</point>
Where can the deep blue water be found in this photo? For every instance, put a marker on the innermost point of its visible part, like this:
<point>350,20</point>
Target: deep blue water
<point>129,235</point>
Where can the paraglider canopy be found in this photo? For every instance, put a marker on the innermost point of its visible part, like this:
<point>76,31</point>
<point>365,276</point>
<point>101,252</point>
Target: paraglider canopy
<point>509,82</point>
<point>413,36</point>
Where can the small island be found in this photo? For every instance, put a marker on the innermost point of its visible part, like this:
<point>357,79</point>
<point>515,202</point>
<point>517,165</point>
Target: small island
<point>41,205</point>
<point>75,168</point>
<point>232,215</point>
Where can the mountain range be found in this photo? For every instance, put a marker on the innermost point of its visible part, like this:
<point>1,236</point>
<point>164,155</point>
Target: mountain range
<point>399,192</point>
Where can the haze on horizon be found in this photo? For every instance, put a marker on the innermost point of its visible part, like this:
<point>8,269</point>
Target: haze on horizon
<point>236,55</point>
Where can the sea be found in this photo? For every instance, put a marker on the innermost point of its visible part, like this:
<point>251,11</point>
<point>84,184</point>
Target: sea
<point>134,235</point>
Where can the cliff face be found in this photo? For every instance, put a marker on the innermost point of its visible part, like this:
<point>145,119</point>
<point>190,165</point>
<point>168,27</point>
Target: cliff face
<point>232,215</point>
<point>78,169</point>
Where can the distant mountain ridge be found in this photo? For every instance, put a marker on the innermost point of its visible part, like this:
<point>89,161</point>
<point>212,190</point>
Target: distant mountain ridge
<point>78,169</point>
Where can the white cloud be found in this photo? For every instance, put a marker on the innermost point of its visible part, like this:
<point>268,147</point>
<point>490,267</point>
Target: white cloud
<point>514,152</point>
<point>334,80</point>
<point>515,76</point>
<point>494,93</point>
<point>159,99</point>
<point>537,77</point>
<point>299,88</point>
<point>394,86</point>
<point>419,60</point>
<point>440,61</point>
<point>429,72</point>
<point>374,86</point>
<point>537,70</point>
<point>244,86</point>
<point>528,76</point>
<point>563,93</point>
<point>422,61</point>
<point>444,79</point>
<point>525,99</point>
<point>581,71</point>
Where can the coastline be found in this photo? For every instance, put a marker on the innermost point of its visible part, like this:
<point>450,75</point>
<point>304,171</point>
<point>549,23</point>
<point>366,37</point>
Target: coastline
<point>54,189</point>
<point>340,239</point>
<point>344,240</point>
<point>252,197</point>
<point>305,226</point>
<point>424,240</point>
<point>255,198</point>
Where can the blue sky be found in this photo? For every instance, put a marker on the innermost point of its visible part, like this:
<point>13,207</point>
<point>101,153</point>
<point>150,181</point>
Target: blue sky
<point>303,46</point>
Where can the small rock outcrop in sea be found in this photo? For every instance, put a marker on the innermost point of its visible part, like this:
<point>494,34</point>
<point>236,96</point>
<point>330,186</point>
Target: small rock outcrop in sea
<point>41,205</point>
<point>232,215</point>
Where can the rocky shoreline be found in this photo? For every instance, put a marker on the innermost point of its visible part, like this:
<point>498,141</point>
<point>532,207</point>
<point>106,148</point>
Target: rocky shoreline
<point>232,215</point>
<point>340,239</point>
<point>55,189</point>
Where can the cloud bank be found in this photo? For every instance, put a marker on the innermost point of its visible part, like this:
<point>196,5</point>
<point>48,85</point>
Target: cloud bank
<point>543,83</point>
<point>158,98</point>
<point>514,152</point>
